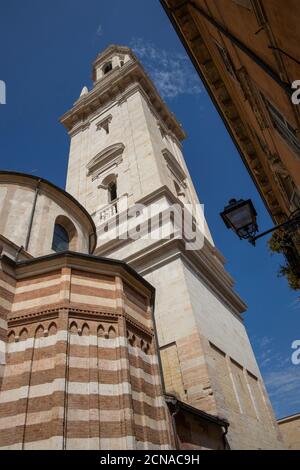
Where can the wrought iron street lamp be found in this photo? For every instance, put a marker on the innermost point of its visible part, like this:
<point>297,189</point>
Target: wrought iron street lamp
<point>240,216</point>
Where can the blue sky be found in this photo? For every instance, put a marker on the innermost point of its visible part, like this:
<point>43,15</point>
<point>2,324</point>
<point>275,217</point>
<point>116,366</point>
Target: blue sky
<point>47,48</point>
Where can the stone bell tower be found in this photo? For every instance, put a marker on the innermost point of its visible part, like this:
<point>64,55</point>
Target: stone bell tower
<point>126,157</point>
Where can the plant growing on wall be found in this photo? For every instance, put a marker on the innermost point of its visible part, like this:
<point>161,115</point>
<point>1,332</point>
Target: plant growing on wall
<point>281,242</point>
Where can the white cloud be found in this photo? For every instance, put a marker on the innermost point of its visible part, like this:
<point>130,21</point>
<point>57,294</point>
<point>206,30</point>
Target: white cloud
<point>171,72</point>
<point>99,31</point>
<point>284,383</point>
<point>281,377</point>
<point>265,341</point>
<point>265,361</point>
<point>296,304</point>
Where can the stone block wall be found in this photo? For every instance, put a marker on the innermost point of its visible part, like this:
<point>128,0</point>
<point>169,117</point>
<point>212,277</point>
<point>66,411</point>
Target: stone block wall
<point>290,430</point>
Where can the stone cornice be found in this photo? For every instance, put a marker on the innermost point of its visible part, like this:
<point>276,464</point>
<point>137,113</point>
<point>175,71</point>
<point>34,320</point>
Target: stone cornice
<point>114,86</point>
<point>109,51</point>
<point>206,263</point>
<point>89,263</point>
<point>22,253</point>
<point>163,191</point>
<point>52,312</point>
<point>213,275</point>
<point>173,165</point>
<point>109,155</point>
<point>202,263</point>
<point>197,43</point>
<point>287,419</point>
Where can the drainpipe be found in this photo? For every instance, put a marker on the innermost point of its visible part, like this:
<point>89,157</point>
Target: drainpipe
<point>173,400</point>
<point>157,345</point>
<point>224,434</point>
<point>90,243</point>
<point>32,214</point>
<point>173,417</point>
<point>19,250</point>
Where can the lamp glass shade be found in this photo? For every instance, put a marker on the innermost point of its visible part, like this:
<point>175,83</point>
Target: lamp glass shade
<point>241,217</point>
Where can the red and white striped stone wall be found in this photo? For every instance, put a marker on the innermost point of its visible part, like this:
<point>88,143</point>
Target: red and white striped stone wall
<point>81,368</point>
<point>7,291</point>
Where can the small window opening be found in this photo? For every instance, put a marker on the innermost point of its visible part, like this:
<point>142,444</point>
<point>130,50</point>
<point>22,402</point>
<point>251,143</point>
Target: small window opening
<point>112,191</point>
<point>60,240</point>
<point>107,68</point>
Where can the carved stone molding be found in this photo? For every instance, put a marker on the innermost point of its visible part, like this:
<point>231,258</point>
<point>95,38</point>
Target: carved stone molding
<point>112,155</point>
<point>174,166</point>
<point>104,124</point>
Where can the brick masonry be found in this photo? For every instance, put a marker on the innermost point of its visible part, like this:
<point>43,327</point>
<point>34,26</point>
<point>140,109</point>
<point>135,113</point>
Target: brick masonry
<point>81,370</point>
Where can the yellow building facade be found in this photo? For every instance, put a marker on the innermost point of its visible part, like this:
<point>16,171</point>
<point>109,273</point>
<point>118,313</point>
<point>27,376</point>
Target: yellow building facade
<point>247,55</point>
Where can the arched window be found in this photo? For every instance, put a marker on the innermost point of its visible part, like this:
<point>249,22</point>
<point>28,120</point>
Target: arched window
<point>107,68</point>
<point>60,240</point>
<point>112,191</point>
<point>65,237</point>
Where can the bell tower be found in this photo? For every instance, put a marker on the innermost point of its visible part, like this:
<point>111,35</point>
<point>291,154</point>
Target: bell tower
<point>126,167</point>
